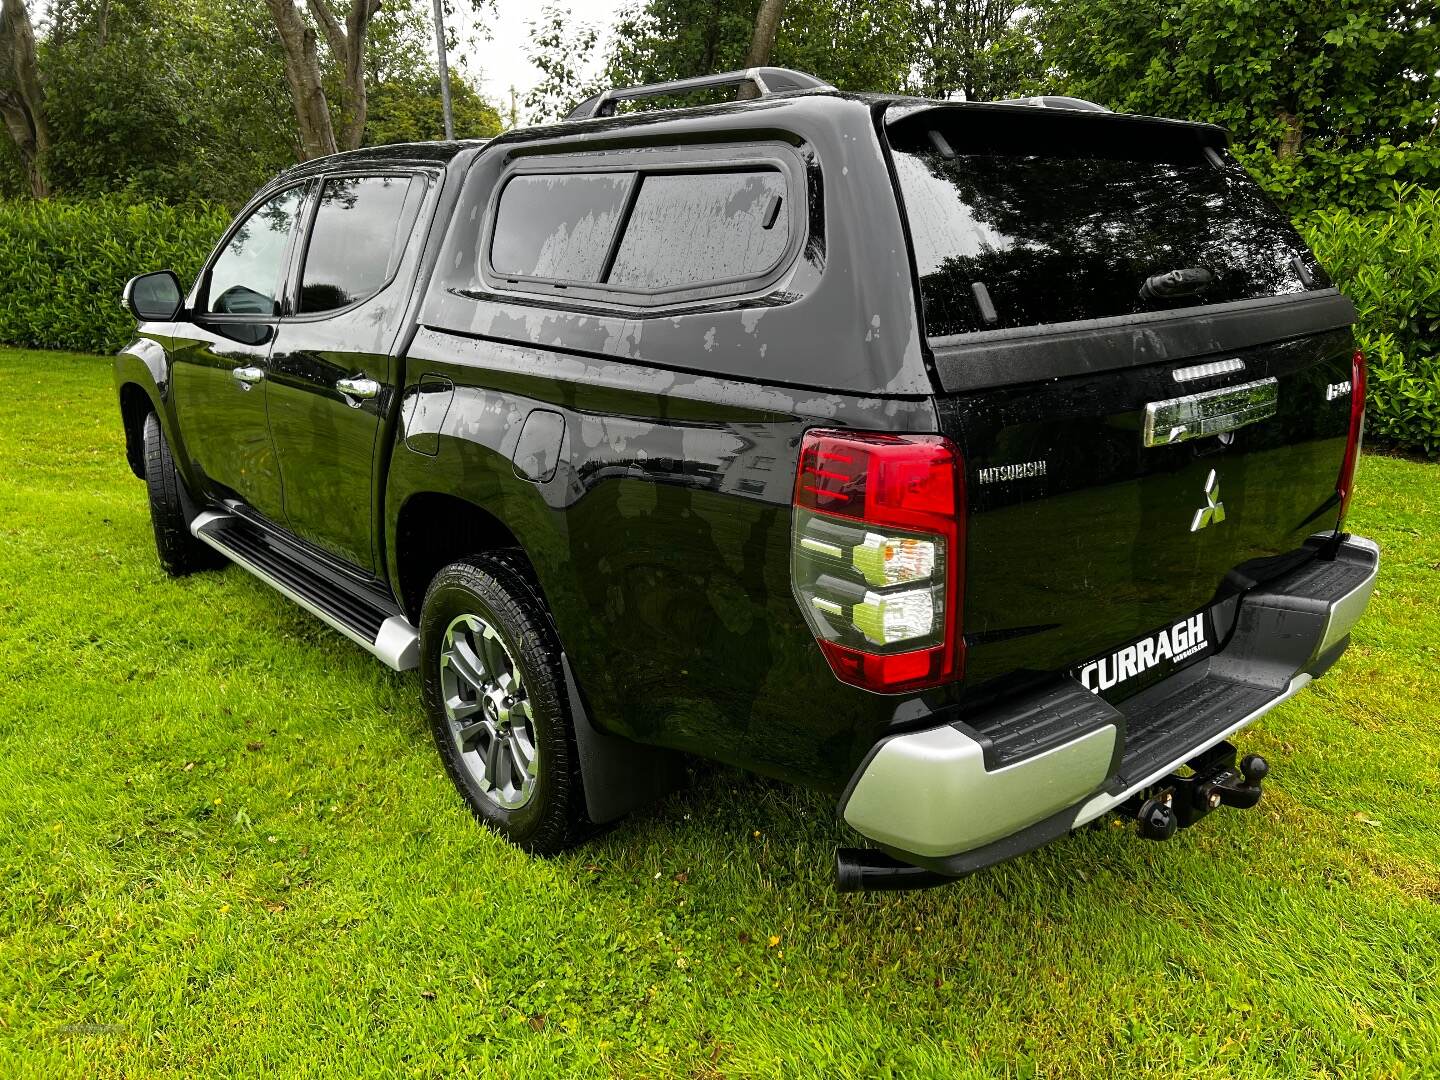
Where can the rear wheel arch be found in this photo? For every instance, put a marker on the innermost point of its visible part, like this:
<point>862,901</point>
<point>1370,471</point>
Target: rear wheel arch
<point>434,529</point>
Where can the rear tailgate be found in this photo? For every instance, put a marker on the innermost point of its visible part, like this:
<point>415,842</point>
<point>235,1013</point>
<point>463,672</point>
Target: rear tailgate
<point>1130,460</point>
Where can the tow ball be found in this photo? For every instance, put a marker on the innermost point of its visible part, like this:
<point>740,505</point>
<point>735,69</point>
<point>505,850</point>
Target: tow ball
<point>1214,780</point>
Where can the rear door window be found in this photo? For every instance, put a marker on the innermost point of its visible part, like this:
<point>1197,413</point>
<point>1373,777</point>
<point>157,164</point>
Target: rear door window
<point>691,229</point>
<point>361,229</point>
<point>1062,218</point>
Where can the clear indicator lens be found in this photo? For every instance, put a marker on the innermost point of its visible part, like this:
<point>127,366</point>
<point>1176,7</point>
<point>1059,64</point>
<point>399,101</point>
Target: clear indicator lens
<point>893,560</point>
<point>893,617</point>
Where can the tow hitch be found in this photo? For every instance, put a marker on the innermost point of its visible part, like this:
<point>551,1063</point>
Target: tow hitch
<point>1177,802</point>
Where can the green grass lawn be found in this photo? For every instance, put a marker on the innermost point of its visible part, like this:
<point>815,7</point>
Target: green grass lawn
<point>227,847</point>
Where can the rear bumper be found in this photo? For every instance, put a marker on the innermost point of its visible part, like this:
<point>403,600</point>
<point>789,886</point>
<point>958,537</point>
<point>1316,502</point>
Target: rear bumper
<point>963,795</point>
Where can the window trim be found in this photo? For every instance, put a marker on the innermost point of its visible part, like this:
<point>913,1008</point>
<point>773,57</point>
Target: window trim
<point>201,292</point>
<point>643,162</point>
<point>295,279</point>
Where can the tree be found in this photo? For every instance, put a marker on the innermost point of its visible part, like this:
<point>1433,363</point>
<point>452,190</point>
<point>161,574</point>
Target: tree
<point>408,110</point>
<point>853,44</point>
<point>977,48</point>
<point>22,98</point>
<point>1326,101</point>
<point>348,44</point>
<point>762,42</point>
<point>209,122</point>
<point>563,50</point>
<point>306,79</point>
<point>305,75</point>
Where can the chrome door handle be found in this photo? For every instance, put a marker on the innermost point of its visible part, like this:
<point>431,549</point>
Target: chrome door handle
<point>248,376</point>
<point>361,389</point>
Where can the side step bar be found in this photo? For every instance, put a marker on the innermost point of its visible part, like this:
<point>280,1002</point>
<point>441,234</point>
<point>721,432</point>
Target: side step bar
<point>385,633</point>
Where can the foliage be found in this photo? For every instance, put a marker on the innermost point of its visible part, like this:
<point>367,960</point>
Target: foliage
<point>230,851</point>
<point>562,48</point>
<point>63,264</point>
<point>1328,102</point>
<point>979,48</point>
<point>408,110</point>
<point>1388,262</point>
<point>187,100</point>
<point>163,99</point>
<point>850,43</point>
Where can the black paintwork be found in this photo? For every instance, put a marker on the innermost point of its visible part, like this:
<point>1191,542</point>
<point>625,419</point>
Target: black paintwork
<point>644,457</point>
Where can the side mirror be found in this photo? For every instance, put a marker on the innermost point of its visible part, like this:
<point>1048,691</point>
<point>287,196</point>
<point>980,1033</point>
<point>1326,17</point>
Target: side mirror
<point>155,297</point>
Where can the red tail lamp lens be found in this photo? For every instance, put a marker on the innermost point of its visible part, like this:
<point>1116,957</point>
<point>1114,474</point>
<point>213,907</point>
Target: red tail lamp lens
<point>876,556</point>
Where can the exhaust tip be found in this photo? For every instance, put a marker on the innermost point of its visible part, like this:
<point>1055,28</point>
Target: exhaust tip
<point>866,870</point>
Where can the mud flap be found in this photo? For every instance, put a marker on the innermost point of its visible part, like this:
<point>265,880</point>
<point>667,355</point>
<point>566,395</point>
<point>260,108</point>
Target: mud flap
<point>619,775</point>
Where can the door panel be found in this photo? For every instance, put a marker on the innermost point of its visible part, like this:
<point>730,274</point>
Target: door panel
<point>220,358</point>
<point>325,438</point>
<point>331,371</point>
<point>223,418</point>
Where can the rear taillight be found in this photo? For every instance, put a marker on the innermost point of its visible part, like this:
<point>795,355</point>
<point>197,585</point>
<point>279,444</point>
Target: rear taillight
<point>876,555</point>
<point>1346,484</point>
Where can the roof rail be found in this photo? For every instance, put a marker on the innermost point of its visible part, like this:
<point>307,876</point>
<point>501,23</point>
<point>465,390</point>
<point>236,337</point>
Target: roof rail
<point>766,80</point>
<point>1052,101</point>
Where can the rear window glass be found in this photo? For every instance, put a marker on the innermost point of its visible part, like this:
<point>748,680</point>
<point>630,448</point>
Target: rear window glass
<point>690,229</point>
<point>558,225</point>
<point>1061,220</point>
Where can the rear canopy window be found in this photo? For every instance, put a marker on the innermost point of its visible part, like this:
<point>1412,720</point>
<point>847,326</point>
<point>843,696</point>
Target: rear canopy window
<point>558,225</point>
<point>641,232</point>
<point>1064,217</point>
<point>694,228</point>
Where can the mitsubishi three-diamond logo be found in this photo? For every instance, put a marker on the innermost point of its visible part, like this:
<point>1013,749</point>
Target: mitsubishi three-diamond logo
<point>1213,512</point>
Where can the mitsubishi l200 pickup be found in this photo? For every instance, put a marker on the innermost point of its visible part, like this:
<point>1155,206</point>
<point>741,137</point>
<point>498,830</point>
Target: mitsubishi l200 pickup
<point>984,465</point>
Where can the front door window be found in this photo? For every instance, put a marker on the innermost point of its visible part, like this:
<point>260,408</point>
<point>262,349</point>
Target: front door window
<point>246,278</point>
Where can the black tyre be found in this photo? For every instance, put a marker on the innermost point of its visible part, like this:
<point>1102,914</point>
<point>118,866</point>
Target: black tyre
<point>171,509</point>
<point>495,695</point>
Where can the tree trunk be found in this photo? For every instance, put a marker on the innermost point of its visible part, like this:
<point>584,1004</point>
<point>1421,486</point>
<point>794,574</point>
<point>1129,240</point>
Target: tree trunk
<point>1292,136</point>
<point>347,45</point>
<point>767,23</point>
<point>22,99</point>
<point>762,42</point>
<point>302,72</point>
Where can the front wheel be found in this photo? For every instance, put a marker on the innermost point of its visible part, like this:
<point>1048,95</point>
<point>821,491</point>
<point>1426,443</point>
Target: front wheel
<point>495,696</point>
<point>180,553</point>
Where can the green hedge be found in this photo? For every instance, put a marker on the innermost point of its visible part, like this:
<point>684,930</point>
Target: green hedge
<point>1388,262</point>
<point>63,264</point>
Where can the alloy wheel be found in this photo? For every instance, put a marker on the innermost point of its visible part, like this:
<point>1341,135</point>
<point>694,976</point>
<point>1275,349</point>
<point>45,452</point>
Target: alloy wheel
<point>487,710</point>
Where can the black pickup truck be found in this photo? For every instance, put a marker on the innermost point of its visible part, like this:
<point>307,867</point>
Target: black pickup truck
<point>982,464</point>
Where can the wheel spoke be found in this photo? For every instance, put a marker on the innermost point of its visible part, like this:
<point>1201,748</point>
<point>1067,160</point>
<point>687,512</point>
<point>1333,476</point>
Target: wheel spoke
<point>468,667</point>
<point>523,750</point>
<point>457,708</point>
<point>468,735</point>
<point>492,760</point>
<point>492,653</point>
